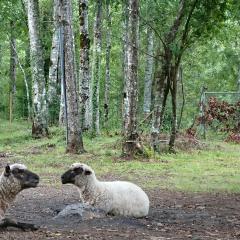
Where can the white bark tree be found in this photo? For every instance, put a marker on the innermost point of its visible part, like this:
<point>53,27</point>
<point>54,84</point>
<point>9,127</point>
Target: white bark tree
<point>75,142</point>
<point>40,113</point>
<point>131,138</point>
<point>84,66</point>
<point>12,72</point>
<point>148,73</point>
<point>96,68</point>
<point>54,58</point>
<point>25,81</point>
<point>61,120</point>
<point>125,17</point>
<point>108,53</point>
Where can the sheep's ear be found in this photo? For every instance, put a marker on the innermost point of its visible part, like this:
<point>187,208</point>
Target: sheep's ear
<point>7,171</point>
<point>87,172</point>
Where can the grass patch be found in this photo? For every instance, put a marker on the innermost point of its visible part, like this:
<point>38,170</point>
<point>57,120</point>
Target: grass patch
<point>212,170</point>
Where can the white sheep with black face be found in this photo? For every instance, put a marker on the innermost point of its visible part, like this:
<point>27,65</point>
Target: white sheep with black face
<point>13,180</point>
<point>117,197</point>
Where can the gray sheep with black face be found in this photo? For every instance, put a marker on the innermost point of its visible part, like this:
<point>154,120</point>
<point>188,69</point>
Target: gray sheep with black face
<point>14,179</point>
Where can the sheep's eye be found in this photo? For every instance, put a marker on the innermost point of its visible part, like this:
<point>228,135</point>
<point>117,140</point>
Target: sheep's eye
<point>18,171</point>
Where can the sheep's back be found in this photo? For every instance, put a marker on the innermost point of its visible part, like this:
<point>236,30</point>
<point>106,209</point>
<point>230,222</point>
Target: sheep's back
<point>127,198</point>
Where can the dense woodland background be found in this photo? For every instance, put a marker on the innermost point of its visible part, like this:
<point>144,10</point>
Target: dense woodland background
<point>135,67</point>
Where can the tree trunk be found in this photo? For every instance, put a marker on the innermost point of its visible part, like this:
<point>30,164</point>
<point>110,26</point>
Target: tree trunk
<point>125,16</point>
<point>84,66</point>
<point>158,110</point>
<point>61,119</point>
<point>40,124</point>
<point>25,81</point>
<point>107,75</point>
<point>54,58</point>
<point>180,80</point>
<point>96,68</point>
<point>74,141</point>
<point>131,138</point>
<point>173,90</point>
<point>164,78</point>
<point>12,73</point>
<point>148,73</point>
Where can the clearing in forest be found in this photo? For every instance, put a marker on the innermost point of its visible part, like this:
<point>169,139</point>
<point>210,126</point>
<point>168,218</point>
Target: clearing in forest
<point>194,194</point>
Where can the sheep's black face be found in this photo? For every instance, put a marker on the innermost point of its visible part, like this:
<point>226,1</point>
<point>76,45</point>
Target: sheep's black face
<point>69,176</point>
<point>26,178</point>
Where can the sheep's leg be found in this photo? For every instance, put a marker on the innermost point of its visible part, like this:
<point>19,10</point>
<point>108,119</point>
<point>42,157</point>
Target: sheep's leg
<point>6,222</point>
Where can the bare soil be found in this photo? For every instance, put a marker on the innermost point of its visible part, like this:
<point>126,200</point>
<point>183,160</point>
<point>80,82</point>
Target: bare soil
<point>173,215</point>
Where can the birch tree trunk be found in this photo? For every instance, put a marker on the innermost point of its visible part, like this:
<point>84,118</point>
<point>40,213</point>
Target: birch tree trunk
<point>61,119</point>
<point>54,58</point>
<point>107,74</point>
<point>12,72</point>
<point>161,85</point>
<point>125,16</point>
<point>40,124</point>
<point>84,66</point>
<point>131,143</point>
<point>148,73</point>
<point>75,142</point>
<point>25,81</point>
<point>96,68</point>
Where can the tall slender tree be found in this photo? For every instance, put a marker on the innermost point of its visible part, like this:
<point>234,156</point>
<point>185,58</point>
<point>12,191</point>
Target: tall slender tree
<point>75,142</point>
<point>96,68</point>
<point>84,66</point>
<point>131,138</point>
<point>54,58</point>
<point>179,36</point>
<point>148,73</point>
<point>107,74</point>
<point>40,123</point>
<point>61,117</point>
<point>25,81</point>
<point>12,72</point>
<point>125,22</point>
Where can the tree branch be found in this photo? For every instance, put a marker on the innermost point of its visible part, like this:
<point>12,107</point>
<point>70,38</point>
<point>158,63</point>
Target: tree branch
<point>154,29</point>
<point>186,28</point>
<point>171,35</point>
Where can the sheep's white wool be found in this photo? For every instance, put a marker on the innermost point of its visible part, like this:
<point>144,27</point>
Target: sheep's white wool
<point>117,197</point>
<point>82,165</point>
<point>9,188</point>
<point>18,165</point>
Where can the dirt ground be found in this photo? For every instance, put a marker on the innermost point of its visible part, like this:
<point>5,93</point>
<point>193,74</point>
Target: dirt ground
<point>173,215</point>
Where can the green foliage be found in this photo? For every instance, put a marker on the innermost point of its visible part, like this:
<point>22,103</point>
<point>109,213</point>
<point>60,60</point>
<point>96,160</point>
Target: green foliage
<point>211,59</point>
